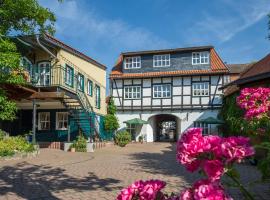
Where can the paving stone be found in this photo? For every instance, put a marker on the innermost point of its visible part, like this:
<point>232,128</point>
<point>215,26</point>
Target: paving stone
<point>55,174</point>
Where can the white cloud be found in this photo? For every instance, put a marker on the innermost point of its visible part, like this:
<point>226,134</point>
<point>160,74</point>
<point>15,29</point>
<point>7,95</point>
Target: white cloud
<point>76,21</point>
<point>240,16</point>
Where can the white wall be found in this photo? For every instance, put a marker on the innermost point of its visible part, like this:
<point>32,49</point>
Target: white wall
<point>184,119</point>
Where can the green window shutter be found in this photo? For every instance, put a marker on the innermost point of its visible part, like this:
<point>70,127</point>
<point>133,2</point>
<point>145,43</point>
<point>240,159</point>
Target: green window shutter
<point>97,97</point>
<point>72,77</point>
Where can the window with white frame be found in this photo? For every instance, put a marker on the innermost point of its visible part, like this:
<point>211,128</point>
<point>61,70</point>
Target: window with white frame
<point>43,121</point>
<point>161,60</point>
<point>206,129</point>
<point>132,62</point>
<point>97,97</point>
<point>200,57</point>
<point>90,88</point>
<point>162,91</point>
<point>132,92</point>
<point>61,121</point>
<point>200,89</point>
<point>227,79</point>
<point>81,82</point>
<point>69,75</point>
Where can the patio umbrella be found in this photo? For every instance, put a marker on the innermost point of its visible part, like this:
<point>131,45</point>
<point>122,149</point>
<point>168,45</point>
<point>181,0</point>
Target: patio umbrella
<point>135,121</point>
<point>211,120</point>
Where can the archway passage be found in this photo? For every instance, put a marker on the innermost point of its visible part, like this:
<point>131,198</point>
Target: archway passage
<point>165,127</point>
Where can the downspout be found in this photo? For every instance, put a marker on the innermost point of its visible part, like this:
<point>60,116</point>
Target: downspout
<point>44,48</point>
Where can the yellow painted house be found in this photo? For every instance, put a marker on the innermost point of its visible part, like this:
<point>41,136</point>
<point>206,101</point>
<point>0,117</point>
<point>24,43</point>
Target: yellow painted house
<point>65,95</point>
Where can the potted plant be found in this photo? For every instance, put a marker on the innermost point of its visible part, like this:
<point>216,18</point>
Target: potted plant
<point>72,148</point>
<point>141,139</point>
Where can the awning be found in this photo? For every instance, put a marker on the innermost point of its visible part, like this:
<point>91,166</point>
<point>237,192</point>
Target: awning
<point>136,121</point>
<point>211,120</point>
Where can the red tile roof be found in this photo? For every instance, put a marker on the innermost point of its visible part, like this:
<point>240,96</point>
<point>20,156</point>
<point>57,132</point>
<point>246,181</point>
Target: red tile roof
<point>217,67</point>
<point>261,67</point>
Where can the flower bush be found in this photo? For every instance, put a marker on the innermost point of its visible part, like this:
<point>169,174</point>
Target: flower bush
<point>255,101</point>
<point>256,104</point>
<point>214,156</point>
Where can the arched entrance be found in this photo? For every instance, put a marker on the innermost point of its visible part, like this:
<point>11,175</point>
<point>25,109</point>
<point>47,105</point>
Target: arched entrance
<point>165,127</point>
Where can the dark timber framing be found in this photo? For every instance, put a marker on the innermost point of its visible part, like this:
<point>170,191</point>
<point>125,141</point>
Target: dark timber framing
<point>173,105</point>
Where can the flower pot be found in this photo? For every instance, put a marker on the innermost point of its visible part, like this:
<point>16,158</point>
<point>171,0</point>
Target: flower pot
<point>73,150</point>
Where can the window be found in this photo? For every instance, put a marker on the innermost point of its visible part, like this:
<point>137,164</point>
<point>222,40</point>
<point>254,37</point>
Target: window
<point>26,64</point>
<point>227,79</point>
<point>132,62</point>
<point>204,126</point>
<point>69,76</point>
<point>97,101</point>
<point>90,88</point>
<point>162,91</point>
<point>161,60</point>
<point>132,92</point>
<point>200,58</point>
<point>43,73</point>
<point>43,121</point>
<point>200,89</point>
<point>61,121</point>
<point>81,82</point>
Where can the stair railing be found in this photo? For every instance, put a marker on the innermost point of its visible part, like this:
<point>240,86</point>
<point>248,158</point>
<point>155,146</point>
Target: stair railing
<point>87,105</point>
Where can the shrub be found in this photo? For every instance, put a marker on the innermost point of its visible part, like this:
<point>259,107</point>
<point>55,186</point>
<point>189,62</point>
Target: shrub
<point>111,122</point>
<point>11,145</point>
<point>80,144</point>
<point>3,134</point>
<point>122,138</point>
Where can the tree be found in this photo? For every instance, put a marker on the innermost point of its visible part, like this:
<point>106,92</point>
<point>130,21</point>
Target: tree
<point>18,18</point>
<point>111,122</point>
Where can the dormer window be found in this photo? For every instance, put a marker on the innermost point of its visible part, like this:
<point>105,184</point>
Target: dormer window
<point>132,62</point>
<point>161,60</point>
<point>200,58</point>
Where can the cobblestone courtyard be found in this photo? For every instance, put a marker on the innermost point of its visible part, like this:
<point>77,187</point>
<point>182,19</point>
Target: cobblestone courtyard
<point>100,175</point>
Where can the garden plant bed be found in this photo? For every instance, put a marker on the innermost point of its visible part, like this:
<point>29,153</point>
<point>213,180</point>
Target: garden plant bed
<point>20,155</point>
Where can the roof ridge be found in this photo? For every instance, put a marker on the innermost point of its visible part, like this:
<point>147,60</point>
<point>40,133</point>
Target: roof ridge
<point>50,37</point>
<point>254,64</point>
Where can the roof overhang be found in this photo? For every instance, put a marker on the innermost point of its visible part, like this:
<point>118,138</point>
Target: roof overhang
<point>186,49</point>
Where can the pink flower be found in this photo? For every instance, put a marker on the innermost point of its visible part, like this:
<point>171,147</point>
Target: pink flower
<point>187,194</point>
<point>214,169</point>
<point>236,149</point>
<point>143,190</point>
<point>189,147</point>
<point>213,144</point>
<point>205,190</point>
<point>255,101</point>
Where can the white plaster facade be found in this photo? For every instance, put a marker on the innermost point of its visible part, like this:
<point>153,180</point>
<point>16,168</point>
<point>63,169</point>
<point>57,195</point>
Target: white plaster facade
<point>184,120</point>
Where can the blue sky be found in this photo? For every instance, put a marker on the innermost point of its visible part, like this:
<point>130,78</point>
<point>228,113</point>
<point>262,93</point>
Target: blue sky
<point>103,29</point>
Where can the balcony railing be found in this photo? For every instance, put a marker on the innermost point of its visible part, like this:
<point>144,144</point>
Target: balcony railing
<point>57,75</point>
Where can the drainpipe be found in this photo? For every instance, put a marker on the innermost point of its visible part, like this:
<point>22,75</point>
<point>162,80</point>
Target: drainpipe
<point>34,121</point>
<point>44,48</point>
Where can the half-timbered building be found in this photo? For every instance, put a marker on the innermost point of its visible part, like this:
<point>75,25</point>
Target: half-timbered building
<point>171,89</point>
